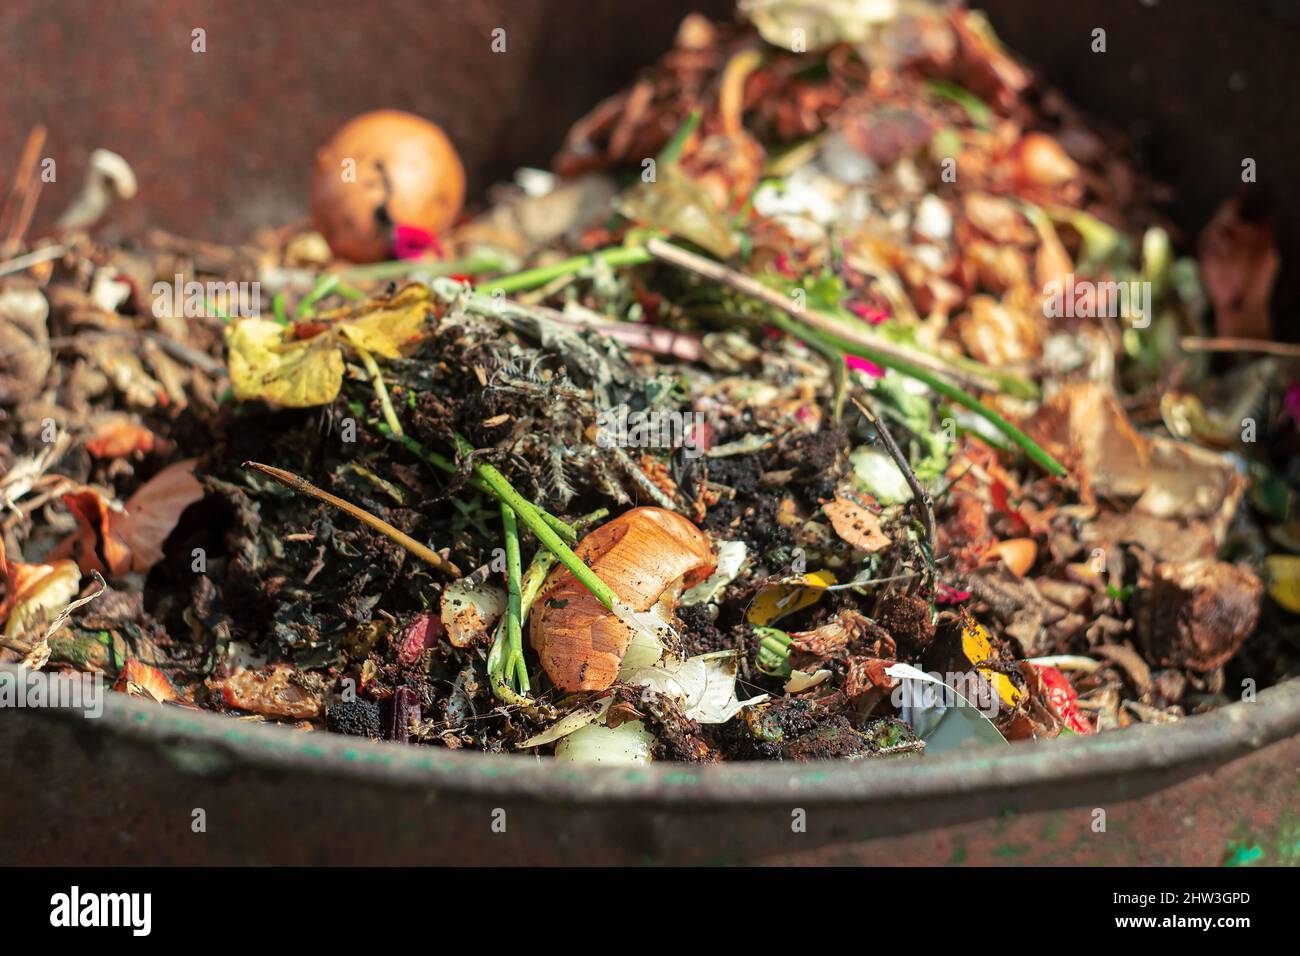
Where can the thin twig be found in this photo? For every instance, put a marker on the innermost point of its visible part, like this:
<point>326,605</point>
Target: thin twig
<point>33,258</point>
<point>716,271</point>
<point>836,335</point>
<point>1193,343</point>
<point>920,498</point>
<point>39,654</point>
<point>304,487</point>
<point>20,204</point>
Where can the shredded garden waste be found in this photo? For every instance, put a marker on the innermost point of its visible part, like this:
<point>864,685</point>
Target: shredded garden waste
<point>839,392</point>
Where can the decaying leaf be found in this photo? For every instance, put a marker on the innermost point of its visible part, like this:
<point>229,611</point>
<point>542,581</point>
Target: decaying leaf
<point>1187,481</point>
<point>278,691</point>
<point>117,540</point>
<point>1018,554</point>
<point>703,686</point>
<point>275,363</point>
<point>1197,615</point>
<point>678,205</point>
<point>142,680</point>
<point>855,523</point>
<point>117,435</point>
<point>1084,427</point>
<point>267,363</point>
<point>777,601</point>
<point>1239,264</point>
<point>1284,580</point>
<point>803,25</point>
<point>24,343</point>
<point>34,592</point>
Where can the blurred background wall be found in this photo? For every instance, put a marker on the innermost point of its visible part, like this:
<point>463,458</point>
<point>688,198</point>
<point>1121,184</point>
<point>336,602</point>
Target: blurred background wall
<point>222,141</point>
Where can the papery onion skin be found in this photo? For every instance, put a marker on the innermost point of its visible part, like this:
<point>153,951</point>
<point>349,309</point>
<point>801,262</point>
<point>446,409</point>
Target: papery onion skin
<point>403,171</point>
<point>1040,161</point>
<point>469,609</point>
<point>639,554</point>
<point>625,745</point>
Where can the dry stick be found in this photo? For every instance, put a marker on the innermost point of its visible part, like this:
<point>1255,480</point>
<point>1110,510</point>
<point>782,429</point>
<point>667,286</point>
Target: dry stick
<point>304,487</point>
<point>922,501</point>
<point>20,204</point>
<point>683,259</point>
<point>1193,343</point>
<point>642,480</point>
<point>794,323</point>
<point>43,254</point>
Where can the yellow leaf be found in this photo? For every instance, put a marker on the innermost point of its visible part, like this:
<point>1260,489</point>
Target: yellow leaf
<point>267,362</point>
<point>977,646</point>
<point>296,374</point>
<point>678,204</point>
<point>396,325</point>
<point>1284,580</point>
<point>777,602</point>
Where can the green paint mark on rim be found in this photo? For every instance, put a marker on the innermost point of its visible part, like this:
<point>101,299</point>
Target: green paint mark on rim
<point>1242,855</point>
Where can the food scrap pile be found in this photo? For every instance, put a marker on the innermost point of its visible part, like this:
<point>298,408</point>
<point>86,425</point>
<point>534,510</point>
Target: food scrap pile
<point>838,393</point>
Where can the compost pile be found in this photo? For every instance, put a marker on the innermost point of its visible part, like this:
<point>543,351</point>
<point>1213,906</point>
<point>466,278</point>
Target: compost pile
<point>839,393</point>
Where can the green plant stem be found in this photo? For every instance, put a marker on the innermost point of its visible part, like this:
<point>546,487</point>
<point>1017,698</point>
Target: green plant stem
<point>514,665</point>
<point>828,324</point>
<point>399,268</point>
<point>949,391</point>
<point>532,278</point>
<point>773,651</point>
<point>673,148</point>
<point>532,517</point>
<point>445,464</point>
<point>325,285</point>
<point>381,390</point>
<point>530,587</point>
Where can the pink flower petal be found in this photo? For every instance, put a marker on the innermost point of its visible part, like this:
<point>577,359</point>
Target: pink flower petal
<point>869,313</point>
<point>864,365</point>
<point>411,242</point>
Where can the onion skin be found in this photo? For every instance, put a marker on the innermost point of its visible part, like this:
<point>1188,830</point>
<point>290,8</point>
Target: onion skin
<point>1041,161</point>
<point>1018,554</point>
<point>639,555</point>
<point>407,173</point>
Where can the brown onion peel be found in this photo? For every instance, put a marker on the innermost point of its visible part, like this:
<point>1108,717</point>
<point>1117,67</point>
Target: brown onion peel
<point>505,660</point>
<point>379,170</point>
<point>645,555</point>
